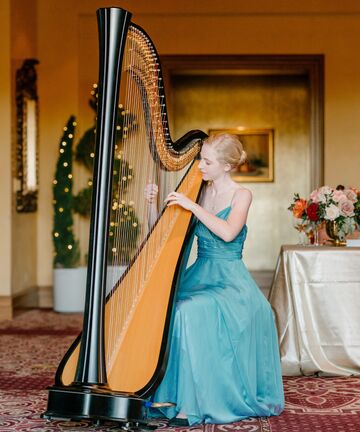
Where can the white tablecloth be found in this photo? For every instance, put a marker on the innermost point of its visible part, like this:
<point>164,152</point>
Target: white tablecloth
<point>316,299</point>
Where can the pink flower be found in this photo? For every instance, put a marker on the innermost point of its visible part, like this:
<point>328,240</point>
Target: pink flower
<point>332,212</point>
<point>346,207</point>
<point>338,195</point>
<point>350,195</point>
<point>314,196</point>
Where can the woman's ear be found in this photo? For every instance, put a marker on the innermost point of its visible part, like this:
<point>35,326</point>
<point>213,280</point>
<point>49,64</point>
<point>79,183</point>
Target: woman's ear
<point>228,167</point>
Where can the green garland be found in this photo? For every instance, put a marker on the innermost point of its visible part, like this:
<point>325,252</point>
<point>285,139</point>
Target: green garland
<point>66,248</point>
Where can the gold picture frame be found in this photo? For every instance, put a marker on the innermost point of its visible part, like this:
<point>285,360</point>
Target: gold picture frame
<point>259,145</point>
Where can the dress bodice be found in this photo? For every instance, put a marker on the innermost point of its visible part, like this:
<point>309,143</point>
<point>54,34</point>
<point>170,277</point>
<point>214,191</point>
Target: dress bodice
<point>212,246</point>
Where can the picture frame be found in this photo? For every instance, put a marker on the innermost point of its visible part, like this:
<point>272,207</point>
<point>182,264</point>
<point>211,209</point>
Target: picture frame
<point>259,146</point>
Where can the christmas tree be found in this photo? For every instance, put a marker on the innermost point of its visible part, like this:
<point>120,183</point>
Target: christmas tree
<point>123,221</point>
<point>66,248</point>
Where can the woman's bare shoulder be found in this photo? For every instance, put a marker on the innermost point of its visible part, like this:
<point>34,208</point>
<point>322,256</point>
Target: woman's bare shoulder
<point>242,194</point>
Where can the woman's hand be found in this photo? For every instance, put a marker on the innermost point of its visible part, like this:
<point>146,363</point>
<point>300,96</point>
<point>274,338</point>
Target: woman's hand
<point>151,192</point>
<point>175,198</point>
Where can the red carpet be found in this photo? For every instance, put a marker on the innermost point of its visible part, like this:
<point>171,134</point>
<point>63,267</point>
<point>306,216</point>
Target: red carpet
<point>32,345</point>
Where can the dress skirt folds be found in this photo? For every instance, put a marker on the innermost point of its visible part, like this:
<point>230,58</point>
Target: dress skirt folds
<point>224,361</point>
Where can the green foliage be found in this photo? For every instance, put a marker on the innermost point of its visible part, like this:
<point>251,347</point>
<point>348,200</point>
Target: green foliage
<point>124,230</point>
<point>66,248</point>
<point>124,225</point>
<point>82,202</point>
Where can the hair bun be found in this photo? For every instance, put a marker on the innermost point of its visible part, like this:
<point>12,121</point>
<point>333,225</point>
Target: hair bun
<point>229,148</point>
<point>243,157</point>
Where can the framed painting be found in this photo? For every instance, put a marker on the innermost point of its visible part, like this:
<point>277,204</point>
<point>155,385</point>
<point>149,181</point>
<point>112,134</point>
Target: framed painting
<point>259,146</point>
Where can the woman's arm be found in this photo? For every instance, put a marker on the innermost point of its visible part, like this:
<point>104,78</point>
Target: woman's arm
<point>228,229</point>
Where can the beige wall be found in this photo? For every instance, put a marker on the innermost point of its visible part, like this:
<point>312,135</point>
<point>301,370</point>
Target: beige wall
<point>204,27</point>
<point>24,225</point>
<point>5,148</point>
<point>277,102</point>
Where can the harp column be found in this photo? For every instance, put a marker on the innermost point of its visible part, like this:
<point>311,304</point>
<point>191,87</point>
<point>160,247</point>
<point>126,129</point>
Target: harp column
<point>113,24</point>
<point>89,397</point>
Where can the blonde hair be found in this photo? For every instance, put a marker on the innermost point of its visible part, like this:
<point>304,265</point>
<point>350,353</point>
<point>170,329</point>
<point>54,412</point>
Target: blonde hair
<point>228,148</point>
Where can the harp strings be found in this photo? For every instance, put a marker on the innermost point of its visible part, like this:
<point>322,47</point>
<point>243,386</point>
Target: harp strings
<point>144,115</point>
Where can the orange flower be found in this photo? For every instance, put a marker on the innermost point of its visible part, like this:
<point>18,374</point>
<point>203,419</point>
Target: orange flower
<point>299,208</point>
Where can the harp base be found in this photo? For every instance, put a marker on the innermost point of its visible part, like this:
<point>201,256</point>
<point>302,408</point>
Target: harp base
<point>91,403</point>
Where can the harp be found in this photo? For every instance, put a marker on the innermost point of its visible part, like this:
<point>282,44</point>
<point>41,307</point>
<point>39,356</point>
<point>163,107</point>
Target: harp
<point>119,358</point>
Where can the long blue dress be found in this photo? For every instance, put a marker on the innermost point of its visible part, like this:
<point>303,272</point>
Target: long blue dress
<point>224,361</point>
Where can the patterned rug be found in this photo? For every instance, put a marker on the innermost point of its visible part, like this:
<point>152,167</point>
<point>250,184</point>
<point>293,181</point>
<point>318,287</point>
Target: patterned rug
<point>32,345</point>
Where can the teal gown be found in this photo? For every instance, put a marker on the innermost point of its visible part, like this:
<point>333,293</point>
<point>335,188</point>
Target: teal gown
<point>224,361</point>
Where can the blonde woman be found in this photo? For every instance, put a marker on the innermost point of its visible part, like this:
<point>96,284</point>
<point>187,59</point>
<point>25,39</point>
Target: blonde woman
<point>224,359</point>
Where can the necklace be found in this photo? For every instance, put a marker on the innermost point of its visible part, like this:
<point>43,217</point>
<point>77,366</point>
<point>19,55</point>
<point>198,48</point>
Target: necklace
<point>214,204</point>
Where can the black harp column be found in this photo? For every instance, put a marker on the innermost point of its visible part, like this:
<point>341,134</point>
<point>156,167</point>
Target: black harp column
<point>113,24</point>
<point>89,397</point>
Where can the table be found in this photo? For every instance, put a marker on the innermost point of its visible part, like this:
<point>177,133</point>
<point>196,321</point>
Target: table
<point>315,296</point>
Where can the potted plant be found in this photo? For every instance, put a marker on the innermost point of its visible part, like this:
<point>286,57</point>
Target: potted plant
<point>124,224</point>
<point>69,277</point>
<point>69,280</point>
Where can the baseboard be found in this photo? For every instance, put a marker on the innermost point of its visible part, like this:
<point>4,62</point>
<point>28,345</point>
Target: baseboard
<point>6,308</point>
<point>263,278</point>
<point>32,297</point>
<point>45,296</point>
<point>27,298</point>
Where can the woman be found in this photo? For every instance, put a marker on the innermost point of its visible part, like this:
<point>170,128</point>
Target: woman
<point>223,363</point>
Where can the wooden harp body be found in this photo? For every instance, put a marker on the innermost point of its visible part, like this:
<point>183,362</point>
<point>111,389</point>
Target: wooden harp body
<point>120,357</point>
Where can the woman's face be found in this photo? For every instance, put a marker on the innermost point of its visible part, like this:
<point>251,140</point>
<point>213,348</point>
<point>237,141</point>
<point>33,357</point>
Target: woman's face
<point>209,165</point>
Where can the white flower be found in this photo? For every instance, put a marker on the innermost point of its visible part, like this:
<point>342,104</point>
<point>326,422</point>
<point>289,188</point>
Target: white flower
<point>332,212</point>
<point>323,193</point>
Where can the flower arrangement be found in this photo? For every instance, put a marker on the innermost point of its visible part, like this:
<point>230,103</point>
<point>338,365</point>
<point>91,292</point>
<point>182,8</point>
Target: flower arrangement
<point>340,206</point>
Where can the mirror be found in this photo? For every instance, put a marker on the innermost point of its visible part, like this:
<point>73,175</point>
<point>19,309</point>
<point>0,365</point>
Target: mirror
<point>26,137</point>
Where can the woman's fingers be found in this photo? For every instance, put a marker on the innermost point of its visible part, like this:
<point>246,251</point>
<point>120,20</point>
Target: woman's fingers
<point>151,191</point>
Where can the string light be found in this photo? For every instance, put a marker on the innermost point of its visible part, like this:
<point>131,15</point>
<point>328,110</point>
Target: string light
<point>66,253</point>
